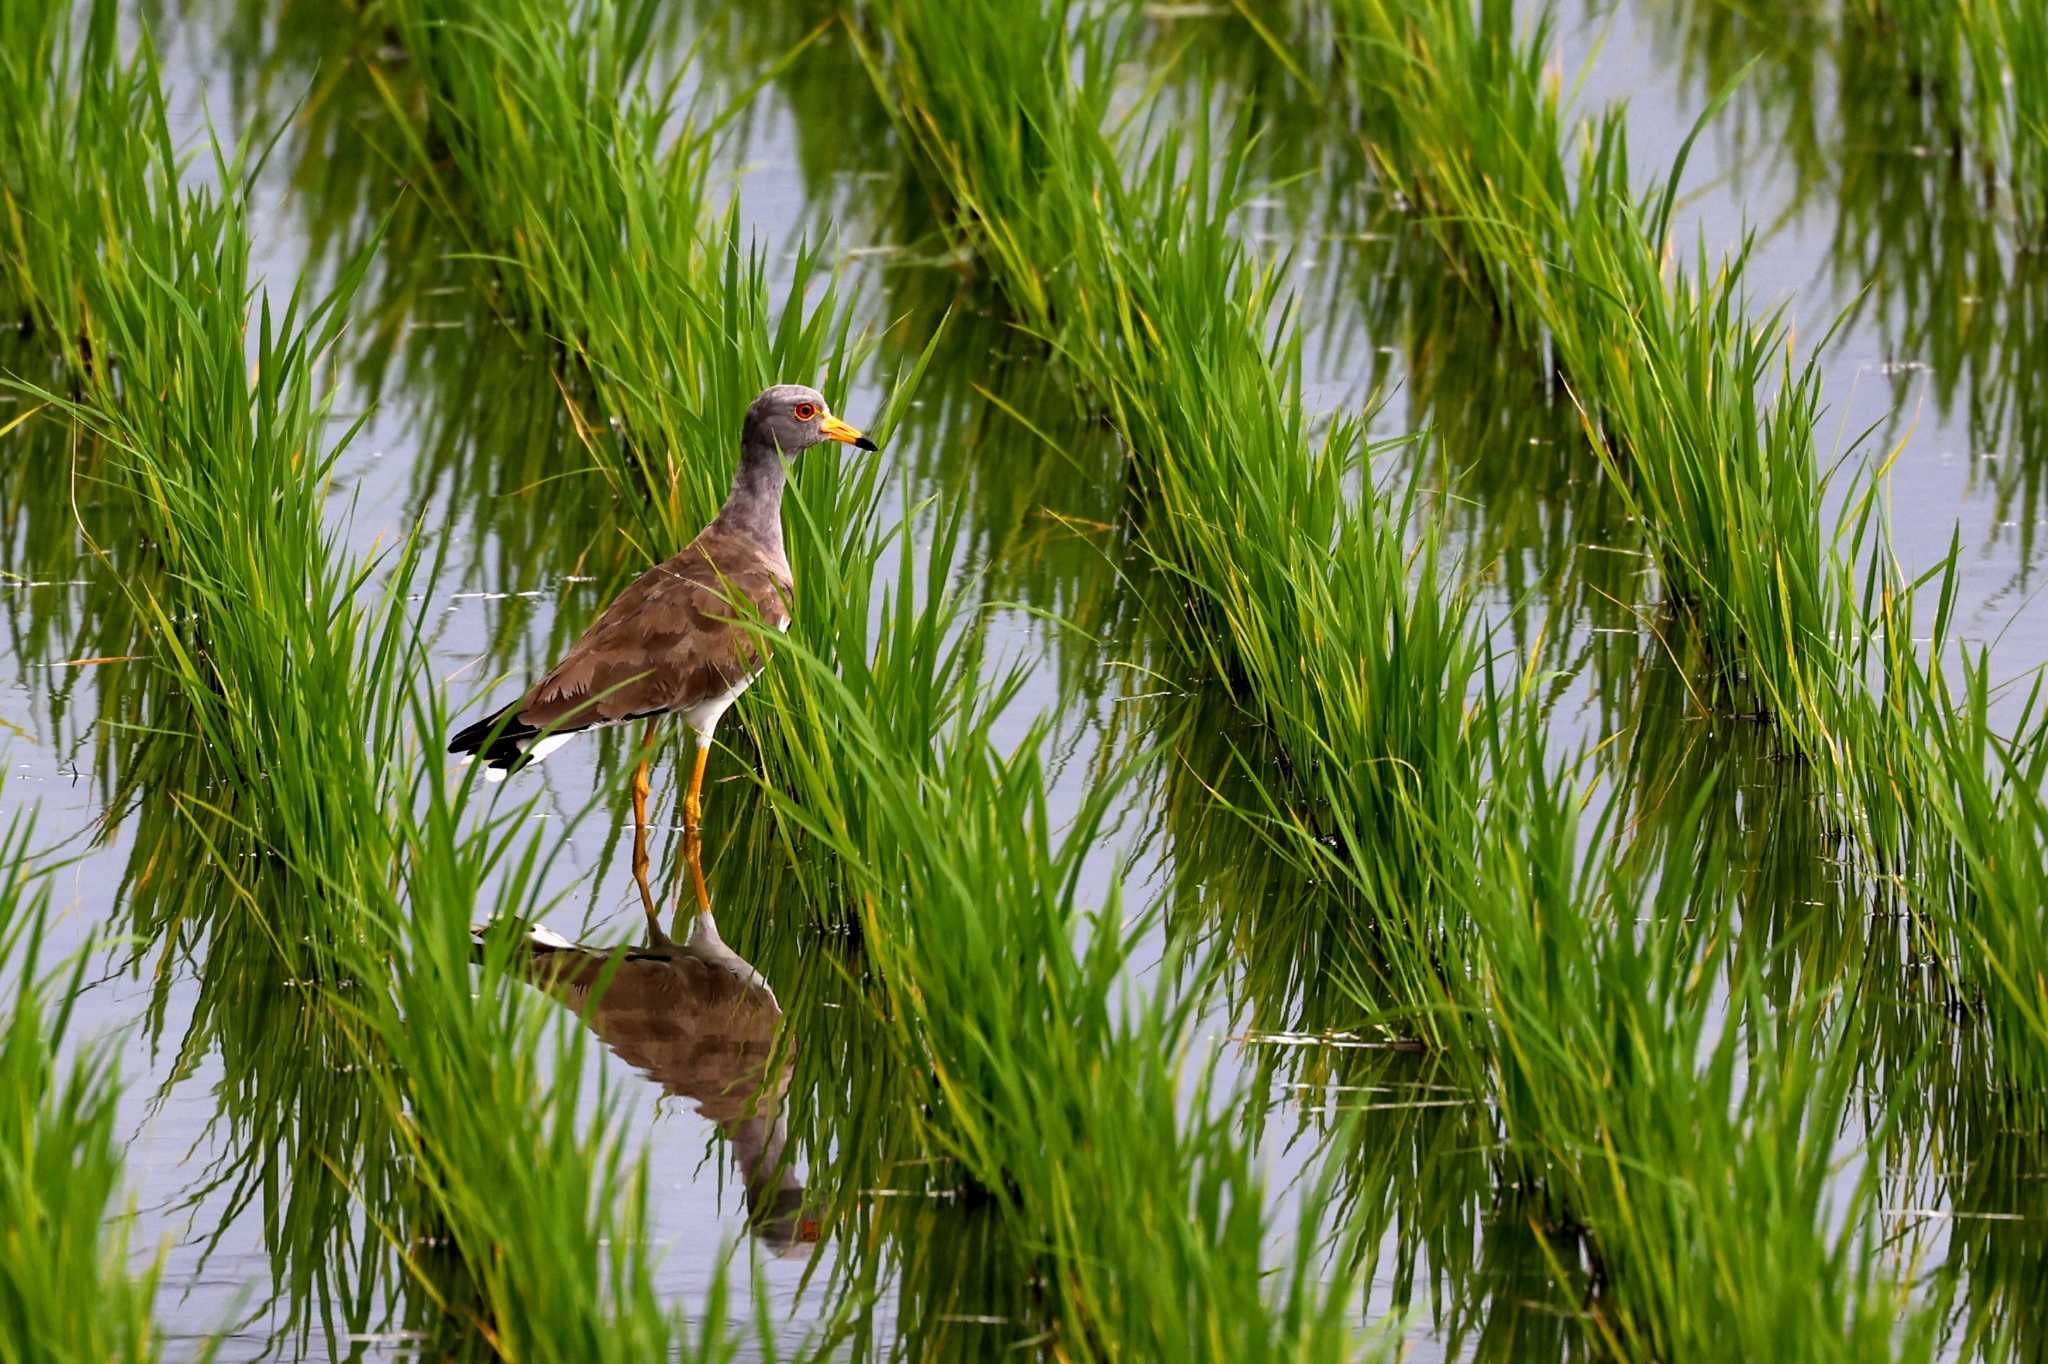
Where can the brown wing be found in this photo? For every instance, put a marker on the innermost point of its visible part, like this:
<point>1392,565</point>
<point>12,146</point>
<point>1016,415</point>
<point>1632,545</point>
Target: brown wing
<point>668,641</point>
<point>696,1029</point>
<point>705,1032</point>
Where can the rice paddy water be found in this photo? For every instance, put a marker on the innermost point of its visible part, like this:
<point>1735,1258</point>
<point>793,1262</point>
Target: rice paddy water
<point>1424,743</point>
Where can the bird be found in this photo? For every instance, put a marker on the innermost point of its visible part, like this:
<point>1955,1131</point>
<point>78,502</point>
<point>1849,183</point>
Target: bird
<point>681,640</point>
<point>701,1022</point>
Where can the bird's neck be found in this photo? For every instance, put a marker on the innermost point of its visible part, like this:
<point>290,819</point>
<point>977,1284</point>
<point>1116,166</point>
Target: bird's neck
<point>754,506</point>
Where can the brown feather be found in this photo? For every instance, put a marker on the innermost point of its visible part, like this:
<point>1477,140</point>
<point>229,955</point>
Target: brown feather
<point>671,640</point>
<point>699,1029</point>
<point>700,1022</point>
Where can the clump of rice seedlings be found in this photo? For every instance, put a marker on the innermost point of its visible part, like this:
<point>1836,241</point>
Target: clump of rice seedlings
<point>1895,119</point>
<point>1950,810</point>
<point>1645,1124</point>
<point>1670,373</point>
<point>1305,597</point>
<point>45,123</point>
<point>535,125</point>
<point>1274,588</point>
<point>1134,277</point>
<point>278,752</point>
<point>1011,174</point>
<point>211,476</point>
<point>67,1290</point>
<point>1668,370</point>
<point>1668,1121</point>
<point>243,750</point>
<point>1006,994</point>
<point>1938,797</point>
<point>1911,759</point>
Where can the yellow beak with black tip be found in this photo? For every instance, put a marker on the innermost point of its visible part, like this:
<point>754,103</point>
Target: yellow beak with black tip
<point>834,429</point>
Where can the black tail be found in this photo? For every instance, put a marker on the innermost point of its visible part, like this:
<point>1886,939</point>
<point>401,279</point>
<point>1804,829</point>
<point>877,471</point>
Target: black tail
<point>499,740</point>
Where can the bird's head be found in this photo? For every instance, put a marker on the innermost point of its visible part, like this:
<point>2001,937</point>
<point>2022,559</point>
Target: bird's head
<point>790,418</point>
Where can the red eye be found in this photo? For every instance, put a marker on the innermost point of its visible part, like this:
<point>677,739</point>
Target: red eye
<point>806,411</point>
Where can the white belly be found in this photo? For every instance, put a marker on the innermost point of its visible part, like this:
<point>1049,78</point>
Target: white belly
<point>703,717</point>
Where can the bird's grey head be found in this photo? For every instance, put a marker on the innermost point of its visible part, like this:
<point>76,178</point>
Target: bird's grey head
<point>790,418</point>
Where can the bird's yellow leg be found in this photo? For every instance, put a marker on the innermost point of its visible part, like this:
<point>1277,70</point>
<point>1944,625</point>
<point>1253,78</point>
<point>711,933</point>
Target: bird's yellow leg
<point>693,812</point>
<point>640,860</point>
<point>693,803</point>
<point>693,850</point>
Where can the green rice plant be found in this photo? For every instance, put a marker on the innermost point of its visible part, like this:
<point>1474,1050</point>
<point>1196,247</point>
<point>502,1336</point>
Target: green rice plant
<point>335,859</point>
<point>1655,1119</point>
<point>67,1288</point>
<point>213,481</point>
<point>1136,280</point>
<point>527,1228</point>
<point>1004,993</point>
<point>1583,967</point>
<point>1012,173</point>
<point>1675,1137</point>
<point>66,93</point>
<point>1919,746</point>
<point>1306,599</point>
<point>278,752</point>
<point>1895,120</point>
<point>1958,818</point>
<point>1669,371</point>
<point>582,193</point>
<point>1645,1125</point>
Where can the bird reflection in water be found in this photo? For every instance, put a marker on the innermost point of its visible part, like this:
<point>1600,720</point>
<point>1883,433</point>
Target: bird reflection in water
<point>698,1020</point>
